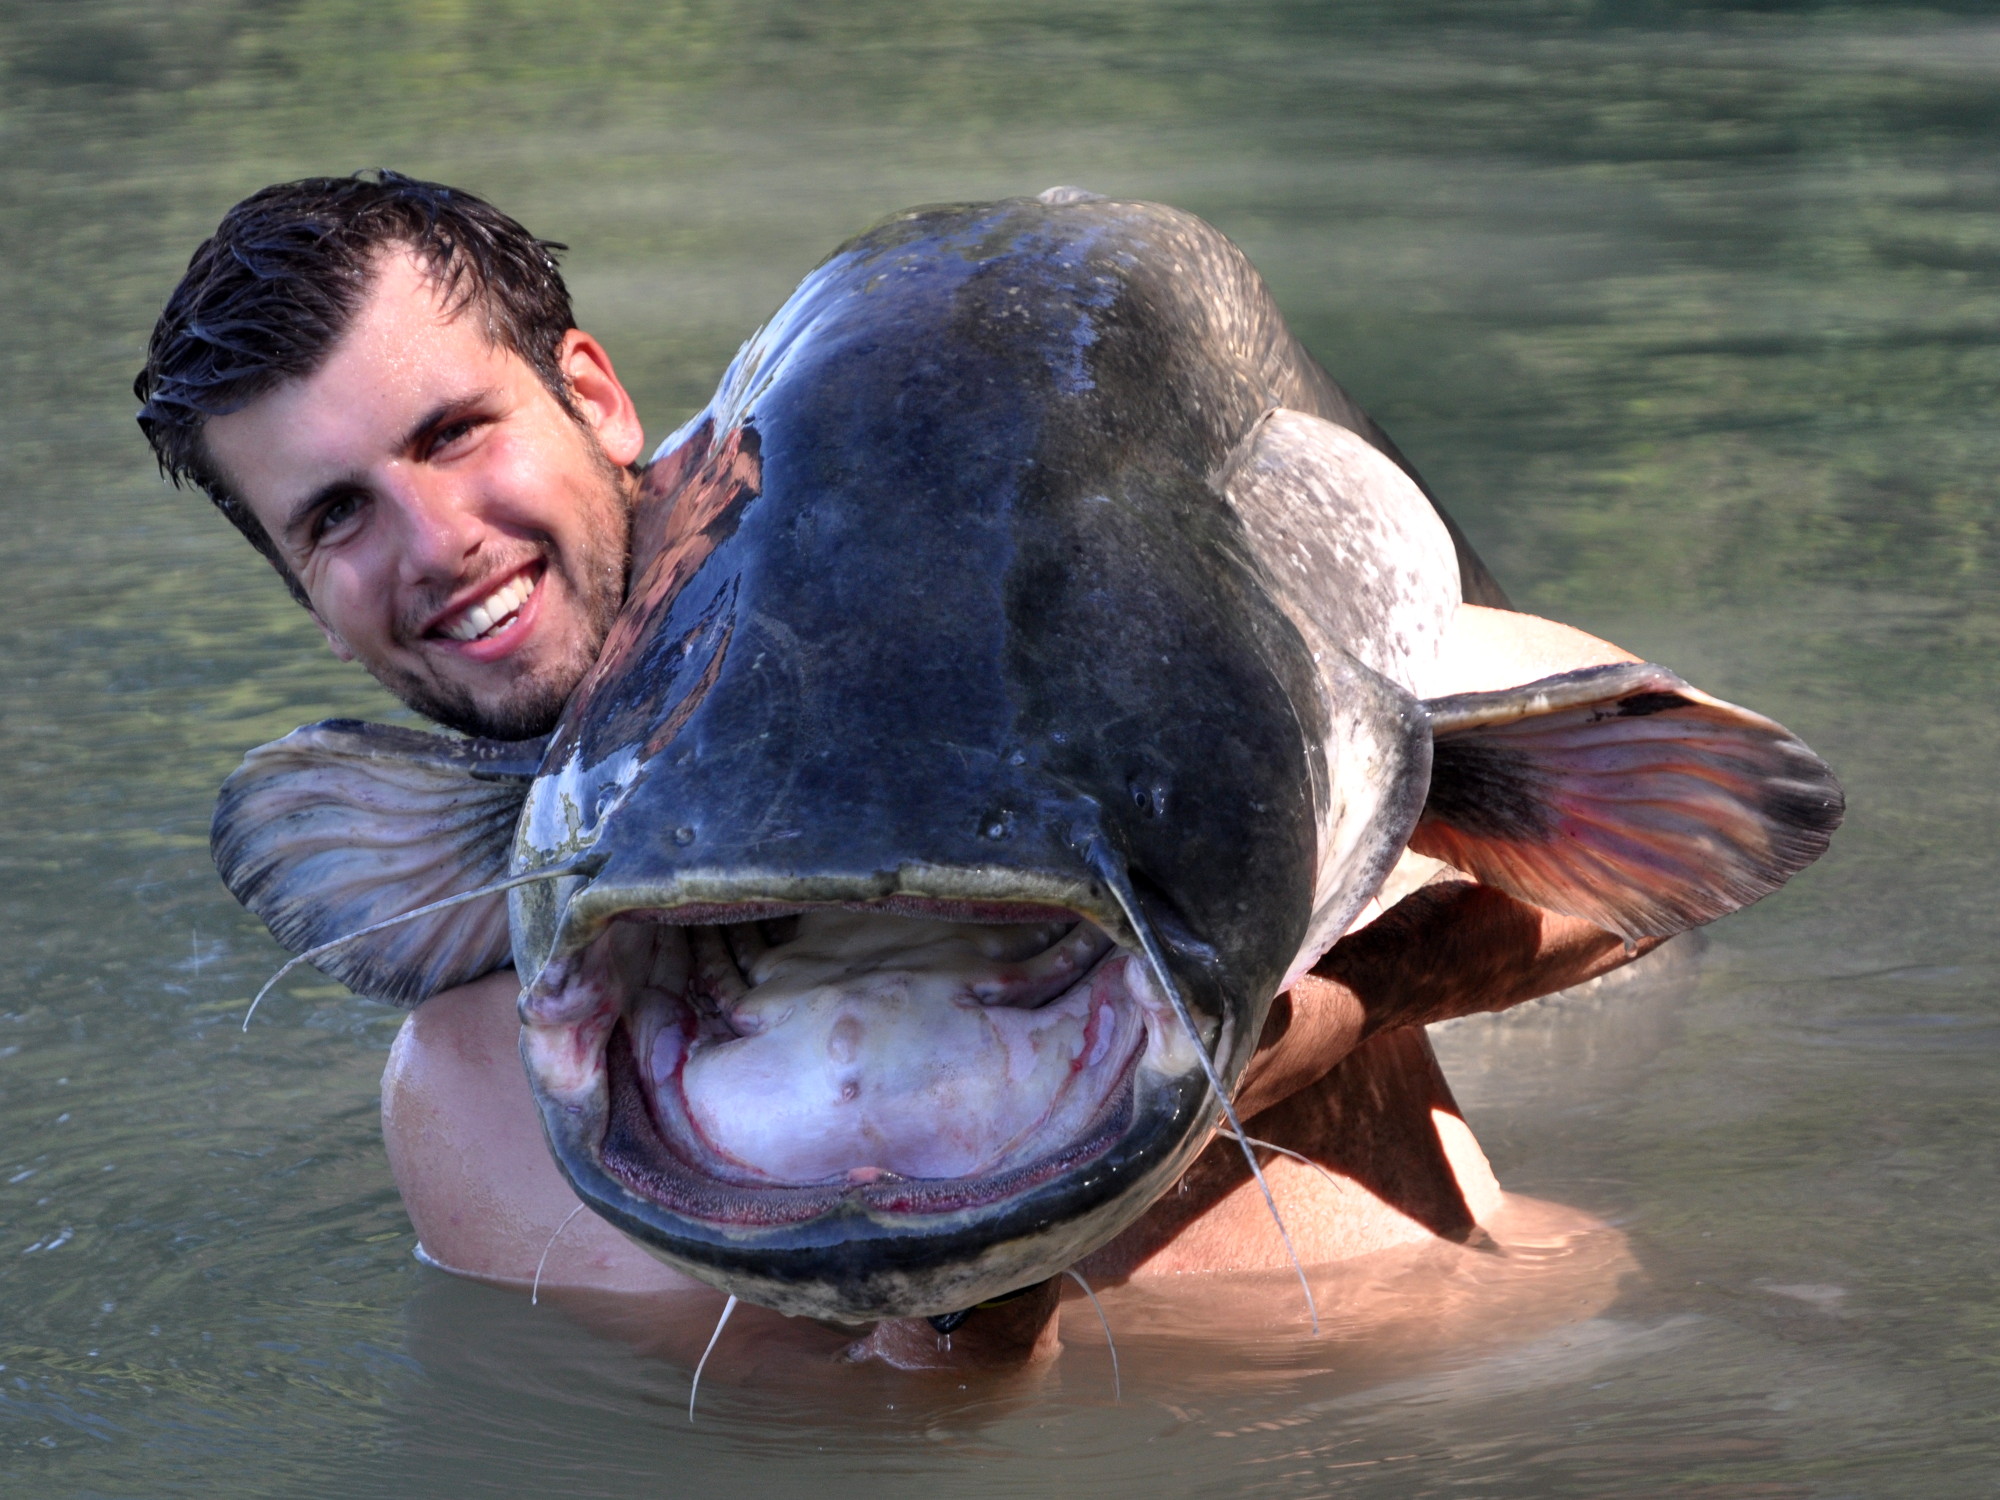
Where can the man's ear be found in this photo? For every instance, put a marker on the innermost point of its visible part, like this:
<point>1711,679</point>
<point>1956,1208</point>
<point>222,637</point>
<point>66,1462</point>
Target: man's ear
<point>600,397</point>
<point>334,643</point>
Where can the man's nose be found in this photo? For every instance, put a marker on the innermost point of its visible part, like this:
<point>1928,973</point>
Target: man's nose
<point>441,529</point>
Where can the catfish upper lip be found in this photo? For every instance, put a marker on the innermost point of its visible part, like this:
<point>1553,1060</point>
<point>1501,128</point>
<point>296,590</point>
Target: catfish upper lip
<point>435,627</point>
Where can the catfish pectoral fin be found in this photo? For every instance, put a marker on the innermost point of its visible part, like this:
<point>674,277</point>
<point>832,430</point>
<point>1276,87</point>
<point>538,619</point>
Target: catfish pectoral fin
<point>342,824</point>
<point>1624,796</point>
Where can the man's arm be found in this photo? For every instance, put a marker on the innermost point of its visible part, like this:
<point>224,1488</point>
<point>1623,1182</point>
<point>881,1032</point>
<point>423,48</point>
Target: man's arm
<point>1452,948</point>
<point>466,1149</point>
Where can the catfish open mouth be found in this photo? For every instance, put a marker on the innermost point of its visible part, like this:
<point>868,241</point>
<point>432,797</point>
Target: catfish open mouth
<point>900,1081</point>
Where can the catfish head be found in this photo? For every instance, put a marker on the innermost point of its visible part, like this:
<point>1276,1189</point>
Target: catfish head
<point>1015,691</point>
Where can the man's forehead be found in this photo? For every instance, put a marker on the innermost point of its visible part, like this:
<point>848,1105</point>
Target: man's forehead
<point>409,330</point>
<point>408,352</point>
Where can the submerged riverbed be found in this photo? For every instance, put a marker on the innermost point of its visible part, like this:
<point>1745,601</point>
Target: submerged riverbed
<point>1691,315</point>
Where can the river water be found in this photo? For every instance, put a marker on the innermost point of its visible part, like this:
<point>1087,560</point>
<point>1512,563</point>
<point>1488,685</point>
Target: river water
<point>1691,313</point>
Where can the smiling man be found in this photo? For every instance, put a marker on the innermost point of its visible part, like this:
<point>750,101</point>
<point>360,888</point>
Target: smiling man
<point>380,383</point>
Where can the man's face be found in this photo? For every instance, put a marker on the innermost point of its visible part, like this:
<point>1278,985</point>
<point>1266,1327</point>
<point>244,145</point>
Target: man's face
<point>456,531</point>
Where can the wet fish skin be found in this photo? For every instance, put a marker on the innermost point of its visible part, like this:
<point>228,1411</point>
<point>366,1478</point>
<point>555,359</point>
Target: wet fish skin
<point>939,602</point>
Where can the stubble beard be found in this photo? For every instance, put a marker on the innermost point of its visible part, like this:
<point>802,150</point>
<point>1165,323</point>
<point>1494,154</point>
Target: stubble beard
<point>534,701</point>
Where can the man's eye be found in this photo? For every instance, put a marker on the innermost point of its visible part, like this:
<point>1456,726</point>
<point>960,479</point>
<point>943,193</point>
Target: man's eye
<point>451,433</point>
<point>335,514</point>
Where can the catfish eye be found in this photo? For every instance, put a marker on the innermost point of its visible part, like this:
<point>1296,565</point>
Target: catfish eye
<point>1149,795</point>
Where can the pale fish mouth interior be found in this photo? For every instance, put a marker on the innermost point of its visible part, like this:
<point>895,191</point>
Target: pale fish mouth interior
<point>839,1049</point>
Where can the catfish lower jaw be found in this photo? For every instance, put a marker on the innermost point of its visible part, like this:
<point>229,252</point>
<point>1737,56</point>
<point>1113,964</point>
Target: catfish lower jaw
<point>879,1116</point>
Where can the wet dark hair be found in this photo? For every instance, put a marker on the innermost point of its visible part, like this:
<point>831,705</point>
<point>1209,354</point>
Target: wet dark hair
<point>268,295</point>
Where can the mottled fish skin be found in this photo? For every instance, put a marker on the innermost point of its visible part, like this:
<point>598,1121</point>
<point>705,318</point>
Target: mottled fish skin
<point>341,824</point>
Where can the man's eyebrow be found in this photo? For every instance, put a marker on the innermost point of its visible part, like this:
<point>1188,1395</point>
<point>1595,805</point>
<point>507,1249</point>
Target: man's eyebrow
<point>444,412</point>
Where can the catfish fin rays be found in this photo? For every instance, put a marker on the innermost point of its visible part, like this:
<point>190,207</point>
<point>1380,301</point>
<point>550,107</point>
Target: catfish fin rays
<point>1559,792</point>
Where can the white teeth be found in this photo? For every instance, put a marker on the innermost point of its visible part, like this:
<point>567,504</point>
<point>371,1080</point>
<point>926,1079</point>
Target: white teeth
<point>491,612</point>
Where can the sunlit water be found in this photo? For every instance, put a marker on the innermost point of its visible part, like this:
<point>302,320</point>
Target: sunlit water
<point>1692,316</point>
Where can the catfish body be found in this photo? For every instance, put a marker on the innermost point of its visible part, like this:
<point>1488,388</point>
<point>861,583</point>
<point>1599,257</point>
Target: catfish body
<point>974,561</point>
<point>1029,595</point>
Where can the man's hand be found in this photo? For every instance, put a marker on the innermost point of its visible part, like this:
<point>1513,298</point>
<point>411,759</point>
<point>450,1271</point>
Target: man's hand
<point>1451,948</point>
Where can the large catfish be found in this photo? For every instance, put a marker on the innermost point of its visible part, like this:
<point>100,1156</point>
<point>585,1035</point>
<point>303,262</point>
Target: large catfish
<point>1016,691</point>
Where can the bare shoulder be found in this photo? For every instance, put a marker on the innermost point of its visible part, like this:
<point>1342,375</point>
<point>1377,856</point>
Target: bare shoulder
<point>465,1145</point>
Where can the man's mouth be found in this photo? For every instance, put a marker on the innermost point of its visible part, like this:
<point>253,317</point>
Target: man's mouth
<point>488,615</point>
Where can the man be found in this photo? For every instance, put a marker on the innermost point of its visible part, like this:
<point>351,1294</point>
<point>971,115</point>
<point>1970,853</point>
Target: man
<point>379,382</point>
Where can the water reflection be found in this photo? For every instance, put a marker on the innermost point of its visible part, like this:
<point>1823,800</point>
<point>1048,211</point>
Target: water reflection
<point>1692,315</point>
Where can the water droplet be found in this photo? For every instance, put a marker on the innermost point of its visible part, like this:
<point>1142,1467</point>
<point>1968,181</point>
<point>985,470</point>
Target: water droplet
<point>684,835</point>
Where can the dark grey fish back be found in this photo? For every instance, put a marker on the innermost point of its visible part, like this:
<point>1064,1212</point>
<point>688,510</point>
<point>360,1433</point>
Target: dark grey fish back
<point>944,583</point>
<point>1223,303</point>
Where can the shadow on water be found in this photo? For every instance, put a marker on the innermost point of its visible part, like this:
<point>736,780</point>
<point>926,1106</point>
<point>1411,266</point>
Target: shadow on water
<point>1690,312</point>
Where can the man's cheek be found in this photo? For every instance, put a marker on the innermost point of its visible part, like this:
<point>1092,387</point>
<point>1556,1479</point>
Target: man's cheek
<point>341,650</point>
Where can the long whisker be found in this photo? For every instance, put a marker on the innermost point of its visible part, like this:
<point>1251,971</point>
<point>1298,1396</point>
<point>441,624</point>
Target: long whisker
<point>494,889</point>
<point>1300,1156</point>
<point>535,1291</point>
<point>1113,875</point>
<point>1117,1392</point>
<point>695,1385</point>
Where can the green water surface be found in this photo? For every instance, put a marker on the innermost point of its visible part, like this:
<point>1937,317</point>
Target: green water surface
<point>1691,314</point>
